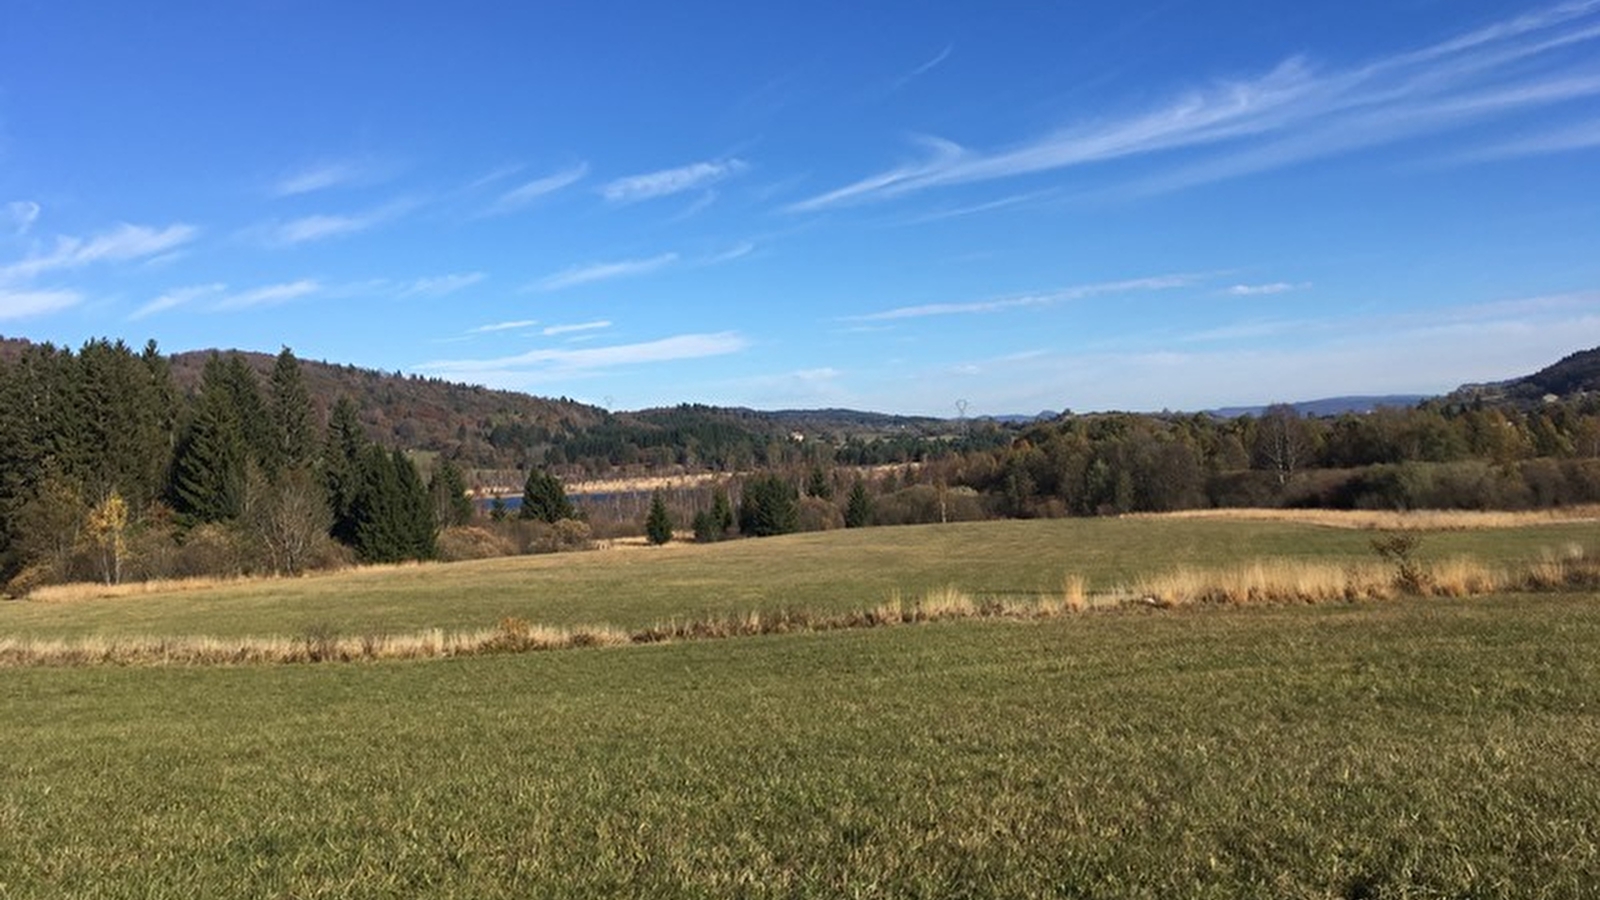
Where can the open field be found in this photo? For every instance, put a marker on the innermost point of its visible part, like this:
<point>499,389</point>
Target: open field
<point>1406,749</point>
<point>827,572</point>
<point>1395,748</point>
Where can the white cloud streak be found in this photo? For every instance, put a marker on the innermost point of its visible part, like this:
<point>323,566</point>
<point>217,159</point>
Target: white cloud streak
<point>555,330</point>
<point>122,243</point>
<point>439,286</point>
<point>1265,290</point>
<point>530,191</point>
<point>694,176</point>
<point>322,227</point>
<point>21,214</point>
<point>529,367</point>
<point>1291,113</point>
<point>503,326</point>
<point>923,69</point>
<point>270,295</point>
<point>588,274</point>
<point>27,304</point>
<point>1002,304</point>
<point>177,297</point>
<point>319,177</point>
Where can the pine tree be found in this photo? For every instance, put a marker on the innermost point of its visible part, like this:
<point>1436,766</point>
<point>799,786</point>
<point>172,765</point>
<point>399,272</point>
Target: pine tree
<point>244,392</point>
<point>770,506</point>
<point>817,484</point>
<point>721,512</point>
<point>392,517</point>
<point>341,467</point>
<point>294,430</point>
<point>858,508</point>
<point>658,524</point>
<point>544,498</point>
<point>210,464</point>
<point>448,491</point>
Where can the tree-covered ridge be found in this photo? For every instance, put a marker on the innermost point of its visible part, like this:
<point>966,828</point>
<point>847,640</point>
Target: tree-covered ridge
<point>112,466</point>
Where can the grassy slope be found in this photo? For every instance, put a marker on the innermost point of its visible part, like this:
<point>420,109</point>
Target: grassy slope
<point>1419,748</point>
<point>826,571</point>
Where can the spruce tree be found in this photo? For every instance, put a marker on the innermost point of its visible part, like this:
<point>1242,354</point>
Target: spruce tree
<point>858,508</point>
<point>294,431</point>
<point>211,459</point>
<point>544,498</point>
<point>721,512</point>
<point>447,490</point>
<point>658,524</point>
<point>341,467</point>
<point>770,506</point>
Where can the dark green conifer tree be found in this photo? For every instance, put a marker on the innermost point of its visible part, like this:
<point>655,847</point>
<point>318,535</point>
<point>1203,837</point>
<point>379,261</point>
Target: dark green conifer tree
<point>341,467</point>
<point>211,461</point>
<point>858,508</point>
<point>447,490</point>
<point>658,524</point>
<point>544,498</point>
<point>293,417</point>
<point>770,506</point>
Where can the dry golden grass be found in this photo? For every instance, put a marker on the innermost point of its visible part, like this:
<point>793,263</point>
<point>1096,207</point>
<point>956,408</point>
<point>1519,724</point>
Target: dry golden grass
<point>94,590</point>
<point>314,646</point>
<point>1268,581</point>
<point>1391,520</point>
<point>1256,582</point>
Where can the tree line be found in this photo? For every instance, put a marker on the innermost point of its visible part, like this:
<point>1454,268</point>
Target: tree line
<point>107,470</point>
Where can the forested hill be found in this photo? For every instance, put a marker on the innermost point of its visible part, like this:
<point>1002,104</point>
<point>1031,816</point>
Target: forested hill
<point>1575,374</point>
<point>472,423</point>
<point>494,429</point>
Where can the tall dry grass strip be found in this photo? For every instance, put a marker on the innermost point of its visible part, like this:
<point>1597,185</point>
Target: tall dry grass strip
<point>1262,581</point>
<point>1392,520</point>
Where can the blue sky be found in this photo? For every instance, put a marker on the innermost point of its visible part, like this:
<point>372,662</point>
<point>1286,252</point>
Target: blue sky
<point>887,206</point>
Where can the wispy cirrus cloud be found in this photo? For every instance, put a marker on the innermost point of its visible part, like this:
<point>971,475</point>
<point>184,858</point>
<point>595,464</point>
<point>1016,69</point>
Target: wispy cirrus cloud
<point>177,297</point>
<point>555,330</point>
<point>605,271</point>
<point>1048,298</point>
<point>440,285</point>
<point>529,191</point>
<point>923,69</point>
<point>1291,113</point>
<point>1582,136</point>
<point>216,297</point>
<point>634,188</point>
<point>503,326</point>
<point>1265,290</point>
<point>26,304</point>
<point>327,174</point>
<point>123,243</point>
<point>269,295</point>
<point>19,215</point>
<point>542,364</point>
<point>321,227</point>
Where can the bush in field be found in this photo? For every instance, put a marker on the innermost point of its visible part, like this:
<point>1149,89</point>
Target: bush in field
<point>471,542</point>
<point>818,514</point>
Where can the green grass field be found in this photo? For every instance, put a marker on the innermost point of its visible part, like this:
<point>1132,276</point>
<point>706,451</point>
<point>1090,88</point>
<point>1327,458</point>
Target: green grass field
<point>826,572</point>
<point>1414,748</point>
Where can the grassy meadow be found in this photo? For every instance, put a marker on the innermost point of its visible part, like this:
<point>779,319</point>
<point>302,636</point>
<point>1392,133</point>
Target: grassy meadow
<point>1405,748</point>
<point>823,571</point>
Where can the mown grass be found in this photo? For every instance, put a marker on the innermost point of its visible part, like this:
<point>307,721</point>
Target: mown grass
<point>830,572</point>
<point>1416,748</point>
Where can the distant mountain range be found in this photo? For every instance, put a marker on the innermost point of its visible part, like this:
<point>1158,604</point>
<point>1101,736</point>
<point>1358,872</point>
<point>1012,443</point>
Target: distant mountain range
<point>1330,406</point>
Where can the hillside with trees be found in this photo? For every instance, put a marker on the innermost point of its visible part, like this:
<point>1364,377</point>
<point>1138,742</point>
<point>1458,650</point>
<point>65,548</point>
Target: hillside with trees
<point>121,464</point>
